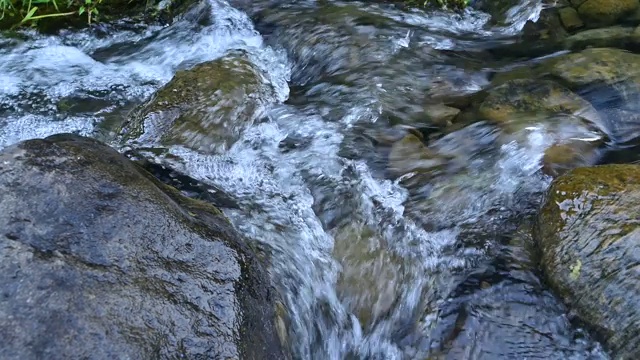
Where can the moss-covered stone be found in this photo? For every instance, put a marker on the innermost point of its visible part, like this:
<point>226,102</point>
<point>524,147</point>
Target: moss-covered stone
<point>522,99</point>
<point>371,276</point>
<point>440,114</point>
<point>204,108</point>
<point>562,157</point>
<point>615,36</point>
<point>411,155</point>
<point>598,65</point>
<point>605,12</point>
<point>588,230</point>
<point>570,18</point>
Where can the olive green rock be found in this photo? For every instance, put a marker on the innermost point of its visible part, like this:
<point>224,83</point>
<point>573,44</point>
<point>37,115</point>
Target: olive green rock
<point>570,18</point>
<point>562,157</point>
<point>411,155</point>
<point>589,233</point>
<point>99,260</point>
<point>615,36</point>
<point>371,276</point>
<point>610,79</point>
<point>605,12</point>
<point>204,108</point>
<point>525,100</point>
<point>597,65</point>
<point>440,114</point>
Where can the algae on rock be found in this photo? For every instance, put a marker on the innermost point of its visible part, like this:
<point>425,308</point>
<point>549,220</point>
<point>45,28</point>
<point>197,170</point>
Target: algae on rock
<point>589,231</point>
<point>605,12</point>
<point>519,98</point>
<point>204,108</point>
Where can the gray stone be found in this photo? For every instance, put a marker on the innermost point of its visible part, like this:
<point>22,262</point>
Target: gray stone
<point>99,260</point>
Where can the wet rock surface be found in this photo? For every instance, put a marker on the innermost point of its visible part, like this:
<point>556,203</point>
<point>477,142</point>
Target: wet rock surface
<point>588,230</point>
<point>610,79</point>
<point>99,260</point>
<point>204,108</point>
<point>519,99</point>
<point>604,12</point>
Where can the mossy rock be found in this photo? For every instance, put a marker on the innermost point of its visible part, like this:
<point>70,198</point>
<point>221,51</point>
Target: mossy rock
<point>371,276</point>
<point>204,108</point>
<point>597,13</point>
<point>610,79</point>
<point>440,114</point>
<point>615,36</point>
<point>411,155</point>
<point>100,260</point>
<point>530,99</point>
<point>569,18</point>
<point>564,156</point>
<point>594,66</point>
<point>588,231</point>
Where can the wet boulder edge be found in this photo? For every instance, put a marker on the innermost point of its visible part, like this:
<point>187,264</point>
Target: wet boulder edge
<point>100,260</point>
<point>589,233</point>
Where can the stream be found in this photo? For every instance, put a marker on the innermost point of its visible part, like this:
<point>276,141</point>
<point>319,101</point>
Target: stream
<point>370,266</point>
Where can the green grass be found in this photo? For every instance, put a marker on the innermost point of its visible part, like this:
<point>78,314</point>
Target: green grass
<point>21,12</point>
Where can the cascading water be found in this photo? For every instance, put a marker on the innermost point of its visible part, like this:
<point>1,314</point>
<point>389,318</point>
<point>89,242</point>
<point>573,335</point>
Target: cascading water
<point>368,267</point>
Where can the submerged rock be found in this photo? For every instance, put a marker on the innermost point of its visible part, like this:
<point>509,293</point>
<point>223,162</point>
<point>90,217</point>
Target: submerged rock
<point>596,66</point>
<point>588,230</point>
<point>371,277</point>
<point>562,157</point>
<point>204,108</point>
<point>411,155</point>
<point>100,260</point>
<point>522,98</point>
<point>440,114</point>
<point>610,80</point>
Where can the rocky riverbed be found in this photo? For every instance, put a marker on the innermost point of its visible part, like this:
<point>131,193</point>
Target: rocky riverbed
<point>324,180</point>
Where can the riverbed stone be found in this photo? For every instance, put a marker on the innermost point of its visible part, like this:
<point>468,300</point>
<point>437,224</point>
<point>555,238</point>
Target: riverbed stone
<point>440,114</point>
<point>522,98</point>
<point>100,260</point>
<point>410,154</point>
<point>597,13</point>
<point>588,231</point>
<point>597,65</point>
<point>562,157</point>
<point>570,18</point>
<point>610,79</point>
<point>204,108</point>
<point>615,36</point>
<point>371,276</point>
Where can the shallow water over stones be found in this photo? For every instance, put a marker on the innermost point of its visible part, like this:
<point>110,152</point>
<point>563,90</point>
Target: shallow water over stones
<point>389,232</point>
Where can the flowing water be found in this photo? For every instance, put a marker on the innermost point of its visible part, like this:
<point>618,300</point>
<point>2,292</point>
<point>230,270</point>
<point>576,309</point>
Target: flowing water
<point>370,266</point>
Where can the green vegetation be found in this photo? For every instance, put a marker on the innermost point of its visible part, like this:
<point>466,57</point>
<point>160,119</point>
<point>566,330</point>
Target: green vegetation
<point>21,12</point>
<point>52,15</point>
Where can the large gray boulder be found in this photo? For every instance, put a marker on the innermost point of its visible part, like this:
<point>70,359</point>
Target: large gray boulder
<point>99,260</point>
